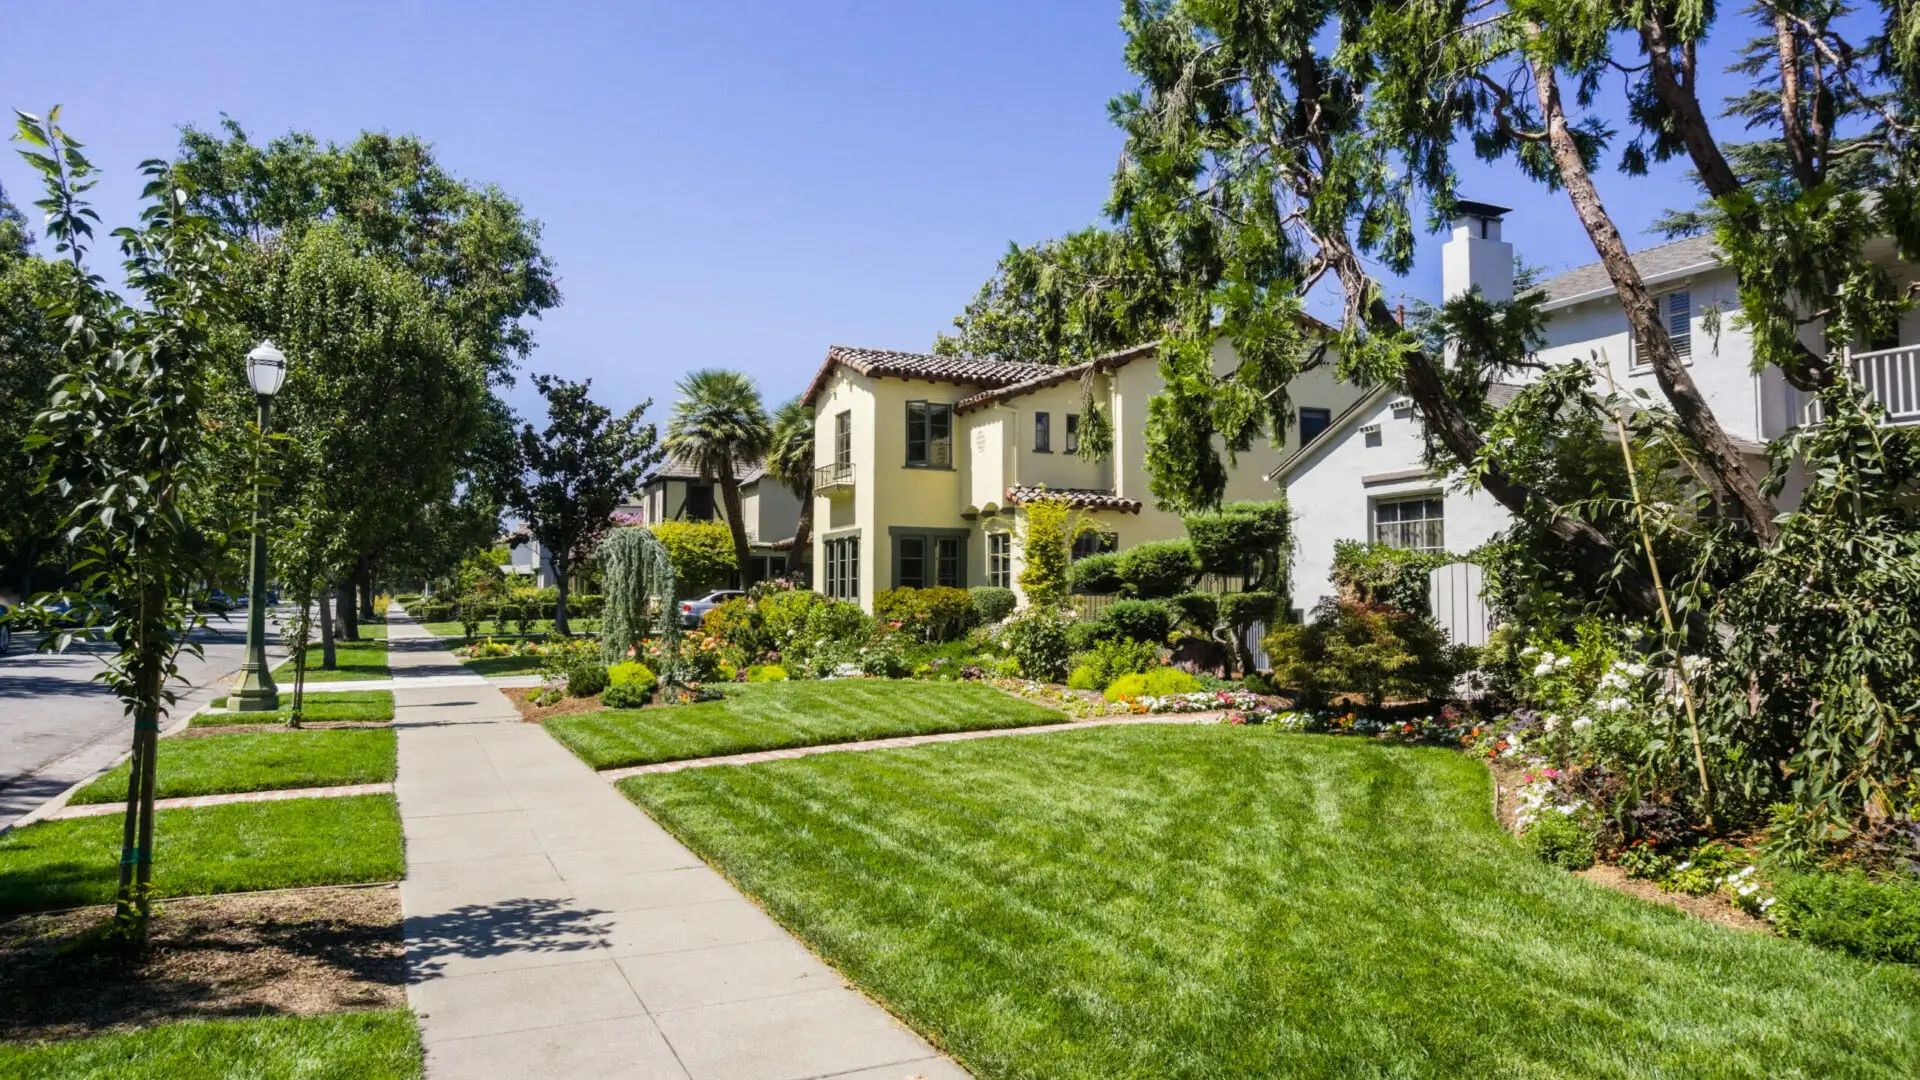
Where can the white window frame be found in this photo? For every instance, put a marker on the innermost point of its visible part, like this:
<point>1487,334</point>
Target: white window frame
<point>1676,311</point>
<point>1398,534</point>
<point>1000,560</point>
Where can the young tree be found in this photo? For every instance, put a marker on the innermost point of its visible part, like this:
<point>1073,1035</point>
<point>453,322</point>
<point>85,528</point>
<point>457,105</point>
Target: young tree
<point>571,476</point>
<point>718,424</point>
<point>790,461</point>
<point>121,443</point>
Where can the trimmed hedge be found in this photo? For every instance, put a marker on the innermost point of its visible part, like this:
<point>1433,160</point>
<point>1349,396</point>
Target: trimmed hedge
<point>1159,569</point>
<point>991,603</point>
<point>1097,574</point>
<point>1876,920</point>
<point>1140,620</point>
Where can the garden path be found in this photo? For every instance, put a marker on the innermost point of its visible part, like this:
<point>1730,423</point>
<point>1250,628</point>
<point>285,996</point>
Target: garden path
<point>762,756</point>
<point>553,929</point>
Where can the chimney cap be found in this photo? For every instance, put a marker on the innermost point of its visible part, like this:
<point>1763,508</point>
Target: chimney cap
<point>1469,208</point>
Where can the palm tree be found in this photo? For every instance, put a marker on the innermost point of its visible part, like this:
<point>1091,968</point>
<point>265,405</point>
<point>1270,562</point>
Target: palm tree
<point>717,423</point>
<point>790,461</point>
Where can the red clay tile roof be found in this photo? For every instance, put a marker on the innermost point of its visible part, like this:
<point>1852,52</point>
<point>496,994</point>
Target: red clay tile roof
<point>1056,376</point>
<point>1078,498</point>
<point>969,370</point>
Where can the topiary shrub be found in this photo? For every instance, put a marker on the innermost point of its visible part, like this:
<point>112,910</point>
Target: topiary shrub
<point>1140,620</point>
<point>1097,574</point>
<point>1086,633</point>
<point>1560,840</point>
<point>991,603</point>
<point>1159,569</point>
<point>1197,609</point>
<point>1160,682</point>
<point>626,695</point>
<point>1244,538</point>
<point>1875,920</point>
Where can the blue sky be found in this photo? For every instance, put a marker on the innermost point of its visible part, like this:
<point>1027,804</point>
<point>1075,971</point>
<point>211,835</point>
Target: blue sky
<point>736,185</point>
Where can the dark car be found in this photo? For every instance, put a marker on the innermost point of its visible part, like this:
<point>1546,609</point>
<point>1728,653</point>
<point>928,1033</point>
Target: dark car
<point>692,611</point>
<point>6,630</point>
<point>217,600</point>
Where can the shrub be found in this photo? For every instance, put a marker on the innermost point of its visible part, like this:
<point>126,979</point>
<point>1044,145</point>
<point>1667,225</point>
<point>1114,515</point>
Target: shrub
<point>586,679</point>
<point>626,696</point>
<point>1160,682</point>
<point>1086,633</point>
<point>785,614</point>
<point>1197,609</point>
<point>1243,537</point>
<point>937,614</point>
<point>838,622</point>
<point>1373,651</point>
<point>884,659</point>
<point>1097,573</point>
<point>737,622</point>
<point>380,606</point>
<point>1140,620</point>
<point>1242,610</point>
<point>1083,678</point>
<point>991,603</point>
<point>1377,574</point>
<point>632,673</point>
<point>1038,640</point>
<point>1560,840</point>
<point>701,553</point>
<point>766,673</point>
<point>1159,569</point>
<point>1876,920</point>
<point>1046,544</point>
<point>1257,683</point>
<point>1111,659</point>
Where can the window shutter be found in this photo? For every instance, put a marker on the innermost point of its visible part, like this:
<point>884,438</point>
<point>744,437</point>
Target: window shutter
<point>1680,323</point>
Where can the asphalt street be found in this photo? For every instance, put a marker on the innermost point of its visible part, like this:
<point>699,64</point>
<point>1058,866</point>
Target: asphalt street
<point>58,725</point>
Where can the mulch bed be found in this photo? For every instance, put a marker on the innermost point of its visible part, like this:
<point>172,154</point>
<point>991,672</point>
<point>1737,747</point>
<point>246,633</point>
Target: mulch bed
<point>522,698</point>
<point>203,730</point>
<point>303,951</point>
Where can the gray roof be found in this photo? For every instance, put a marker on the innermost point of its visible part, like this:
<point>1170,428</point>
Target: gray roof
<point>1653,263</point>
<point>678,467</point>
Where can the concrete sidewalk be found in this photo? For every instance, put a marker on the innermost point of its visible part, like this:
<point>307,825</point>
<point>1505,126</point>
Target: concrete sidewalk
<point>554,930</point>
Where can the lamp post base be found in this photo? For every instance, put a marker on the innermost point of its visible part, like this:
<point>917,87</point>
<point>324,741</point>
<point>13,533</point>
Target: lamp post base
<point>253,691</point>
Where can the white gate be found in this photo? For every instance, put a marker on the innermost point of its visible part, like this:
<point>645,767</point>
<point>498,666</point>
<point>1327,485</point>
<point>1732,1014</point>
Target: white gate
<point>1454,590</point>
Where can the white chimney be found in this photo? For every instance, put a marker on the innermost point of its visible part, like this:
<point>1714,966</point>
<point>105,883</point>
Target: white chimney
<point>1476,255</point>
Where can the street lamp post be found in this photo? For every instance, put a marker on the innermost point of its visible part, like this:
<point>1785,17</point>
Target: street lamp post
<point>254,691</point>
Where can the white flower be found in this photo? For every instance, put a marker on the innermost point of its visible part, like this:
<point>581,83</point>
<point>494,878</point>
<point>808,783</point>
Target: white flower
<point>1582,723</point>
<point>1638,671</point>
<point>1529,650</point>
<point>1552,723</point>
<point>1562,661</point>
<point>1544,667</point>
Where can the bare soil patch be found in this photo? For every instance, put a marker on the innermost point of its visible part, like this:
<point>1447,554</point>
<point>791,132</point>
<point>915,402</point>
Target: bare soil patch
<point>302,952</point>
<point>205,730</point>
<point>522,698</point>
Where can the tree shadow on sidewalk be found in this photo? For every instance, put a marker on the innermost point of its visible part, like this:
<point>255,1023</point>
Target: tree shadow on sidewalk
<point>479,931</point>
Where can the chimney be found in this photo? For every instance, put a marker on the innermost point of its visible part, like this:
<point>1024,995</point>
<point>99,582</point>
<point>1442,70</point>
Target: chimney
<point>1475,255</point>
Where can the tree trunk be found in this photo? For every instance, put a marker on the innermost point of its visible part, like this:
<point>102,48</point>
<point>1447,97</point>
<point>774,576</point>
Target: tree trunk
<point>736,524</point>
<point>366,593</point>
<point>28,558</point>
<point>1690,407</point>
<point>345,611</point>
<point>328,661</point>
<point>802,534</point>
<point>132,901</point>
<point>560,573</point>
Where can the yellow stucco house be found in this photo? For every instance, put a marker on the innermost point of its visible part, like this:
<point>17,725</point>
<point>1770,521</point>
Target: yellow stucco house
<point>924,461</point>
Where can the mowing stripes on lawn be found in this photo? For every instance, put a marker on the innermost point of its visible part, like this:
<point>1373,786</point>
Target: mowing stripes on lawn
<point>1227,902</point>
<point>775,716</point>
<point>349,705</point>
<point>238,847</point>
<point>258,761</point>
<point>382,1045</point>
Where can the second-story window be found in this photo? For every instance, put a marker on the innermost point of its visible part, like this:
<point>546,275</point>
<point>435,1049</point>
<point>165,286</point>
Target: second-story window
<point>843,438</point>
<point>1073,433</point>
<point>929,434</point>
<point>1313,422</point>
<point>1043,432</point>
<point>1677,309</point>
<point>699,503</point>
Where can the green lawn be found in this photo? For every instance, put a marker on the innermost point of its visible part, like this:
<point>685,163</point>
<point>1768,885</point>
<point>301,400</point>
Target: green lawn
<point>537,628</point>
<point>503,665</point>
<point>258,761</point>
<point>383,1045</point>
<point>347,705</point>
<point>353,660</point>
<point>1188,902</point>
<point>771,716</point>
<point>239,847</point>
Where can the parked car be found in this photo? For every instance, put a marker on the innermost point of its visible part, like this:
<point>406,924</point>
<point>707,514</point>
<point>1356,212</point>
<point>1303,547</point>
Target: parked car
<point>217,600</point>
<point>692,611</point>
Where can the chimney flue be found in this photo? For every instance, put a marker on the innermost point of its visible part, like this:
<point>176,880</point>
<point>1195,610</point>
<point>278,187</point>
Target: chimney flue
<point>1475,256</point>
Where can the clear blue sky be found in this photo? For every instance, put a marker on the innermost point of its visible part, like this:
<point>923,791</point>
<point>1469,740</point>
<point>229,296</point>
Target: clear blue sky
<point>736,185</point>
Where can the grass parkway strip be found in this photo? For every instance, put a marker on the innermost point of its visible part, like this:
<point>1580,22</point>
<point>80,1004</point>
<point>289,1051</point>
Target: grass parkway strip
<point>776,716</point>
<point>193,801</point>
<point>1220,902</point>
<point>376,1045</point>
<point>257,761</point>
<point>237,847</point>
<point>361,706</point>
<point>353,660</point>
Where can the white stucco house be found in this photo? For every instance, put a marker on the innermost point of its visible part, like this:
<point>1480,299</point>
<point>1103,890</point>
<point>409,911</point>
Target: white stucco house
<point>1363,478</point>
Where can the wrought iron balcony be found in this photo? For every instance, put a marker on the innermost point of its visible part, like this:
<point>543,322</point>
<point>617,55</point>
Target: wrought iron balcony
<point>1892,376</point>
<point>834,479</point>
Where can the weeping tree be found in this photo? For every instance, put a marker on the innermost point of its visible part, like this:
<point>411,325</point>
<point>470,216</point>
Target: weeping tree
<point>639,597</point>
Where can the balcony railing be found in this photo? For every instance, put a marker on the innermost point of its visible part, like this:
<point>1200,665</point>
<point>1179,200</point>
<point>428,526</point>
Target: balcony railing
<point>1892,376</point>
<point>833,479</point>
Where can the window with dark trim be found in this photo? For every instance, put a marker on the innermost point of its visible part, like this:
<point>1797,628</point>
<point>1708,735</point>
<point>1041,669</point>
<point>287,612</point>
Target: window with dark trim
<point>843,438</point>
<point>1073,433</point>
<point>1043,433</point>
<point>1000,560</point>
<point>922,560</point>
<point>698,505</point>
<point>1418,524</point>
<point>912,568</point>
<point>842,576</point>
<point>929,434</point>
<point>1313,422</point>
<point>1094,543</point>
